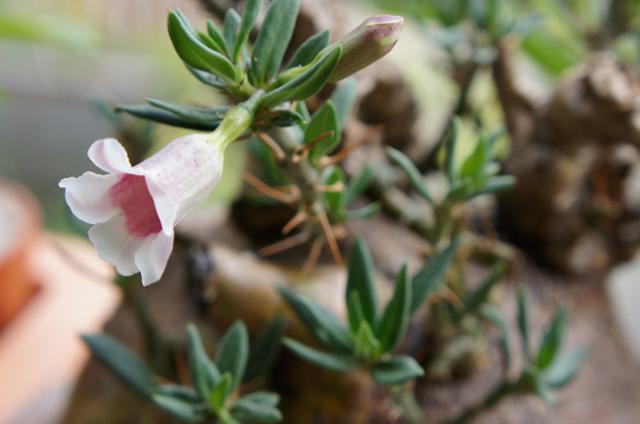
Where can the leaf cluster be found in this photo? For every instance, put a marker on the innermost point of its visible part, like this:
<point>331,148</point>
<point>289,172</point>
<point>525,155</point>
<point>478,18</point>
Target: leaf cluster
<point>371,336</point>
<point>546,368</point>
<point>476,174</point>
<point>215,391</point>
<point>221,57</point>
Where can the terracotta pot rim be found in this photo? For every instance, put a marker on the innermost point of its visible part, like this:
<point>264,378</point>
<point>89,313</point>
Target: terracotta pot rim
<point>28,222</point>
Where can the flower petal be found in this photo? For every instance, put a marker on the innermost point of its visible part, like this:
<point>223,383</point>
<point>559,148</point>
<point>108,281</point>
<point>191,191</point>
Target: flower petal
<point>87,197</point>
<point>166,208</point>
<point>115,245</point>
<point>151,258</point>
<point>109,155</point>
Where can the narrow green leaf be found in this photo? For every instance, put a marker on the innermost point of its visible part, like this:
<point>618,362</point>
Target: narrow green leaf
<point>474,299</point>
<point>301,108</point>
<point>265,349</point>
<point>334,362</point>
<point>285,118</point>
<point>273,39</point>
<point>478,13</point>
<point>307,83</point>
<point>186,394</point>
<point>431,276</point>
<point>361,279</point>
<point>152,113</point>
<point>309,49</point>
<point>364,212</point>
<point>271,171</point>
<point>233,351</point>
<point>247,410</point>
<point>565,368</point>
<point>366,344</point>
<point>395,318</point>
<point>553,54</point>
<point>497,184</point>
<point>210,42</point>
<point>358,185</point>
<point>460,189</point>
<point>354,311</point>
<point>263,398</point>
<point>217,37</point>
<point>324,326</point>
<point>333,177</point>
<point>494,316</point>
<point>220,392</point>
<point>396,370</point>
<point>197,114</point>
<point>545,392</point>
<point>184,410</point>
<point>249,16</point>
<point>412,173</point>
<point>343,98</point>
<point>121,361</point>
<point>194,52</point>
<point>492,139</point>
<point>451,150</point>
<point>526,24</point>
<point>552,340</point>
<point>231,25</point>
<point>523,323</point>
<point>475,162</point>
<point>323,121</point>
<point>208,79</point>
<point>204,373</point>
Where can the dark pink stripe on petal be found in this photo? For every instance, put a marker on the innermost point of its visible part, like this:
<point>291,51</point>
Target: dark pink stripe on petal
<point>131,195</point>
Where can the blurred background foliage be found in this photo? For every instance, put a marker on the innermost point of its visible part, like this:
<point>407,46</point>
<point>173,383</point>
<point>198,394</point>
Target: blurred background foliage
<point>67,54</point>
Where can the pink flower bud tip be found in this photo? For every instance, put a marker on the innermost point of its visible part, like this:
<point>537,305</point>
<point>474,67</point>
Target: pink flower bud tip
<point>368,42</point>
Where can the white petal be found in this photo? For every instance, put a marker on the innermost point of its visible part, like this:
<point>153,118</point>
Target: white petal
<point>183,173</point>
<point>115,245</point>
<point>166,208</point>
<point>109,155</point>
<point>151,258</point>
<point>87,196</point>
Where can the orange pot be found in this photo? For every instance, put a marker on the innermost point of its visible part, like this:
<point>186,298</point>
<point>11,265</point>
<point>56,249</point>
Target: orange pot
<point>19,233</point>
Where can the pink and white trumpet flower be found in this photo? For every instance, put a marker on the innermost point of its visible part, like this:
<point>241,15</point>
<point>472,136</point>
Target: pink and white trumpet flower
<point>134,209</point>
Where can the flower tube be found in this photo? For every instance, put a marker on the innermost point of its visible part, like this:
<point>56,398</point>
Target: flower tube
<point>134,209</point>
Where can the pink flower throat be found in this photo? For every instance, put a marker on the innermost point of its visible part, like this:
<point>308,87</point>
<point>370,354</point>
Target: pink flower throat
<point>132,196</point>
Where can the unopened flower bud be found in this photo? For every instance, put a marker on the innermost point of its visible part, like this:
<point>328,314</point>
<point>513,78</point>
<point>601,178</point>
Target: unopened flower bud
<point>368,42</point>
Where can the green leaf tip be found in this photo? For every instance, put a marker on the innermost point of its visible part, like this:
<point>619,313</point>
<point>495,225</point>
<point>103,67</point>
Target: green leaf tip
<point>360,279</point>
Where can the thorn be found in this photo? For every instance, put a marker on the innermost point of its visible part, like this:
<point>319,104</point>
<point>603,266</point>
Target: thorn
<point>340,231</point>
<point>269,191</point>
<point>449,295</point>
<point>330,236</point>
<point>342,154</point>
<point>285,244</point>
<point>298,157</point>
<point>314,254</point>
<point>297,219</point>
<point>333,188</point>
<point>308,146</point>
<point>273,146</point>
